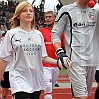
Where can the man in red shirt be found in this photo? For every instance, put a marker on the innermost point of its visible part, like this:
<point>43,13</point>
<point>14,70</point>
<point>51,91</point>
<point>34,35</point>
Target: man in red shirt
<point>51,72</point>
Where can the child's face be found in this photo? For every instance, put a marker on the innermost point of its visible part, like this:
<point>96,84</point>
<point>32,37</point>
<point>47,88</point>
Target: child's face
<point>26,16</point>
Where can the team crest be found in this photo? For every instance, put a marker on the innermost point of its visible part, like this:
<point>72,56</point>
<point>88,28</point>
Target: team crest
<point>91,17</point>
<point>30,39</point>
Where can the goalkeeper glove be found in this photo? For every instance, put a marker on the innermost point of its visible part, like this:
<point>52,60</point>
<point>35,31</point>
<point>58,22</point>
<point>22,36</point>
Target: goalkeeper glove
<point>63,61</point>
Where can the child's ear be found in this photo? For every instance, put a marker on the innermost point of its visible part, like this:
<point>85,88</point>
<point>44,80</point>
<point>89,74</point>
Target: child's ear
<point>18,17</point>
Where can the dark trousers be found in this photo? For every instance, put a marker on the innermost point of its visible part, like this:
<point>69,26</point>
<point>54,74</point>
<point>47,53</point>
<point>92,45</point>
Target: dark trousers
<point>97,93</point>
<point>5,83</point>
<point>97,80</point>
<point>25,95</point>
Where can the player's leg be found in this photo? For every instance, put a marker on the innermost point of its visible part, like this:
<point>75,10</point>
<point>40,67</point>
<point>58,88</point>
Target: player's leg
<point>97,80</point>
<point>80,76</point>
<point>48,83</point>
<point>90,78</point>
<point>55,75</point>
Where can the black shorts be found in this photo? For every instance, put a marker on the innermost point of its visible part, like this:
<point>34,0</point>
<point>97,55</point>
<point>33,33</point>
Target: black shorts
<point>97,76</point>
<point>25,95</point>
<point>5,83</point>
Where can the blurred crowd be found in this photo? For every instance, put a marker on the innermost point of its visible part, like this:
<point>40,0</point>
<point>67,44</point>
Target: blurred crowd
<point>7,10</point>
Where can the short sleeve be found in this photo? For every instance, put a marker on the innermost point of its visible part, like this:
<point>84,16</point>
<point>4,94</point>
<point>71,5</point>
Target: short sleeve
<point>6,48</point>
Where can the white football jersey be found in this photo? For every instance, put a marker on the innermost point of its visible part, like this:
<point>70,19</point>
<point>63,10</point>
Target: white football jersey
<point>25,52</point>
<point>1,40</point>
<point>78,24</point>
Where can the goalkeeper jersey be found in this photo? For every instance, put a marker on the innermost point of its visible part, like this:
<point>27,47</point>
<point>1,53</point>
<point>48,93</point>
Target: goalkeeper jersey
<point>79,26</point>
<point>97,30</point>
<point>25,52</point>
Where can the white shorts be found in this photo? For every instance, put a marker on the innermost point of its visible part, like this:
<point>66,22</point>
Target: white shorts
<point>81,78</point>
<point>50,76</point>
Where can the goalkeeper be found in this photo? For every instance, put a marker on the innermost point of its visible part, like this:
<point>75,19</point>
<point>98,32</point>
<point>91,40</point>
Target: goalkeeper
<point>78,21</point>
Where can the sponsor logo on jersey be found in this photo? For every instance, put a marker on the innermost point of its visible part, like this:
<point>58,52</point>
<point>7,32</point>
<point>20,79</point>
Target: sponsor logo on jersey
<point>84,24</point>
<point>48,42</point>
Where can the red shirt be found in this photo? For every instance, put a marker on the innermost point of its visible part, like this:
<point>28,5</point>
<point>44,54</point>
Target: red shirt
<point>51,51</point>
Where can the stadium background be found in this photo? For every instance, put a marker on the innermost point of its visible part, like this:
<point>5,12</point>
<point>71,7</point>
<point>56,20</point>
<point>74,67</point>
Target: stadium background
<point>6,12</point>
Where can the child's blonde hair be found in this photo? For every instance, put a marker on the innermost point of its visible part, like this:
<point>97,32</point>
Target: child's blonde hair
<point>15,21</point>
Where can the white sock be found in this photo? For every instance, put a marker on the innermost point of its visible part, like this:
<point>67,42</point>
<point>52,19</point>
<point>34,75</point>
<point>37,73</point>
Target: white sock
<point>47,96</point>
